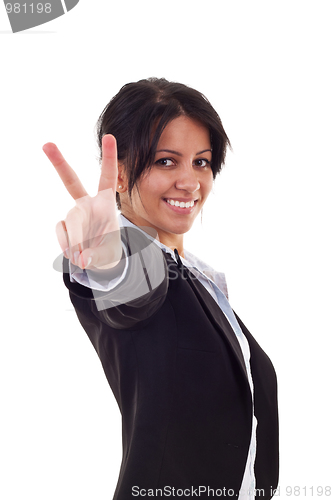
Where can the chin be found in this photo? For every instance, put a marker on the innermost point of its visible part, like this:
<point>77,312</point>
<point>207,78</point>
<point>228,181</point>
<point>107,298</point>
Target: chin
<point>180,229</point>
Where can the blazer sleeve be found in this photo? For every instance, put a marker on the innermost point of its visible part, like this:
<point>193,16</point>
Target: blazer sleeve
<point>137,297</point>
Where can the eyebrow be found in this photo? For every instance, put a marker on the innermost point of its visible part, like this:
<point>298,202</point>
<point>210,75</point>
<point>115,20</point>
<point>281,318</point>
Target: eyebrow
<point>179,154</point>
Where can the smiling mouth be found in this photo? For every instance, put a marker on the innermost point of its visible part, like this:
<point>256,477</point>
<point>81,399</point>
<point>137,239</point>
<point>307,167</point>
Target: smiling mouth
<point>180,204</point>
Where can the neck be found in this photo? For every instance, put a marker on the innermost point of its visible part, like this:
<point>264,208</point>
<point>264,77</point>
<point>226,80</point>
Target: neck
<point>170,240</point>
<point>173,241</point>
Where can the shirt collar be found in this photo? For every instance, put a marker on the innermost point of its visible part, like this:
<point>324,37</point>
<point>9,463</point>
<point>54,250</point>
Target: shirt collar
<point>124,222</point>
<point>190,260</point>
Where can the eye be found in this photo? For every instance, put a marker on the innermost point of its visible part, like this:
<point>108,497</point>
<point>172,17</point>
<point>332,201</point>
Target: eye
<point>202,162</point>
<point>165,162</point>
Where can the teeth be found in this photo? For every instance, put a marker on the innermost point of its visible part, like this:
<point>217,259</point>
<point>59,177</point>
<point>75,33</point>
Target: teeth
<point>181,204</point>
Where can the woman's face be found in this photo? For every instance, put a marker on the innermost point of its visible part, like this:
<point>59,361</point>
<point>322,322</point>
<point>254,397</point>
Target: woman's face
<point>170,196</point>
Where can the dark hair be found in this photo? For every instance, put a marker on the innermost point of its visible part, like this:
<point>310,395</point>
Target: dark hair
<point>138,114</point>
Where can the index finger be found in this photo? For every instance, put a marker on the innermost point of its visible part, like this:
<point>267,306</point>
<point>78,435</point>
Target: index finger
<point>109,173</point>
<point>66,173</point>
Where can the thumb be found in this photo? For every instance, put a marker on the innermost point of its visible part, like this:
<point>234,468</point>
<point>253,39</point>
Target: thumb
<point>103,257</point>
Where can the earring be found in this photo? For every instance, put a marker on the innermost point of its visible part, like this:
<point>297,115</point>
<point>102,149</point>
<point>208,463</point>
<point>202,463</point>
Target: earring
<point>120,187</point>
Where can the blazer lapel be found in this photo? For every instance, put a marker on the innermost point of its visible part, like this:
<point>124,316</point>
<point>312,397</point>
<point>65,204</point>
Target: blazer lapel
<point>217,317</point>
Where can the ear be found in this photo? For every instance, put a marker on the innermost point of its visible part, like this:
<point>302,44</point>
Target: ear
<point>122,179</point>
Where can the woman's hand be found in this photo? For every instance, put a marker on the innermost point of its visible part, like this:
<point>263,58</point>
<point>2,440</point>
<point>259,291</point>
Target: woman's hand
<point>90,236</point>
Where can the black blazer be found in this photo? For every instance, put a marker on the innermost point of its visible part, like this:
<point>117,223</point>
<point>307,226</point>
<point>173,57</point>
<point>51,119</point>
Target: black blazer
<point>177,372</point>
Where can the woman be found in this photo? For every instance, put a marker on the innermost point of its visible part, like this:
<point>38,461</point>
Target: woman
<point>196,392</point>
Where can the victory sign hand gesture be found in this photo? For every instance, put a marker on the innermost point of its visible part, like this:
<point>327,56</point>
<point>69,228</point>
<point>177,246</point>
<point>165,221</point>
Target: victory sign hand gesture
<point>90,236</point>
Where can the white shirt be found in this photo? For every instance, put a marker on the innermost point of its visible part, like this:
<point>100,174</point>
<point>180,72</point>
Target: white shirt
<point>215,284</point>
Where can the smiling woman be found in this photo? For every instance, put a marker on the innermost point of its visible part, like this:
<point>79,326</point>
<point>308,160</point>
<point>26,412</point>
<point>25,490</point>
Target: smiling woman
<point>197,394</point>
<point>169,196</point>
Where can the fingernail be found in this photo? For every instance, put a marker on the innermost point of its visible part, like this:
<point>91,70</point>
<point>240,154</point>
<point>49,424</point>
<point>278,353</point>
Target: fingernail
<point>76,257</point>
<point>88,262</point>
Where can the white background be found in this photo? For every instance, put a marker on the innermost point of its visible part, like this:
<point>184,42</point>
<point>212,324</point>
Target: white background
<point>267,69</point>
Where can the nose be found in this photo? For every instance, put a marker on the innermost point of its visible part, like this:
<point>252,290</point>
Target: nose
<point>187,179</point>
